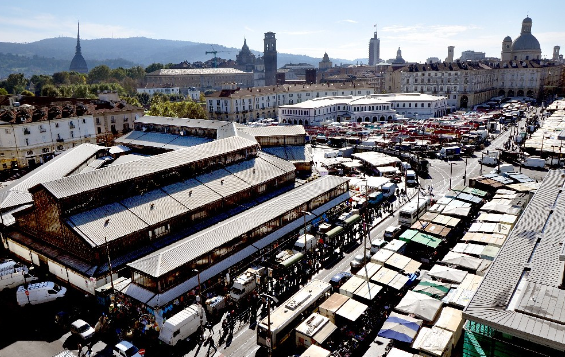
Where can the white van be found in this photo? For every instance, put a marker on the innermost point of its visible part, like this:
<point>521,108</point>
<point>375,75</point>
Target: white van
<point>411,178</point>
<point>534,162</point>
<point>305,243</point>
<point>16,277</point>
<point>39,293</point>
<point>182,325</point>
<point>333,154</point>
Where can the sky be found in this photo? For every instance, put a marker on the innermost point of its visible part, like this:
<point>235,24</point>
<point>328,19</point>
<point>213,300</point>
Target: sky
<point>421,29</point>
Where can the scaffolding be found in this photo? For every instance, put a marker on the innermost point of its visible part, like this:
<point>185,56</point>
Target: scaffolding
<point>484,341</point>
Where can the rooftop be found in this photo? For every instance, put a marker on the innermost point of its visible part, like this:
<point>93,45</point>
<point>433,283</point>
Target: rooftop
<point>521,294</point>
<point>77,184</point>
<point>196,71</point>
<point>191,247</point>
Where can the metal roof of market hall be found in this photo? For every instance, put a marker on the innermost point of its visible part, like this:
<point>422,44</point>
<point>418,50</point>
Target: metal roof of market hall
<point>521,295</point>
<point>194,246</point>
<point>77,184</point>
<point>130,215</point>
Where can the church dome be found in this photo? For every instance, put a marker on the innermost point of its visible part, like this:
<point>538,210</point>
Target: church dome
<point>508,39</point>
<point>527,20</point>
<point>526,42</point>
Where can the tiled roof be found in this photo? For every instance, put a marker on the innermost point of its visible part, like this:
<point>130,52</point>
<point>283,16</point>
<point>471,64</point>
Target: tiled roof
<point>77,184</point>
<point>520,295</point>
<point>192,247</point>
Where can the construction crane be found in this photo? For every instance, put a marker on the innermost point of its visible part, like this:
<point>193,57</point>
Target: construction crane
<point>214,52</point>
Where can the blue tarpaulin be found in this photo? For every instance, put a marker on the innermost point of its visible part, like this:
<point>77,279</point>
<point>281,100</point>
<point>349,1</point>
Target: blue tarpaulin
<point>400,327</point>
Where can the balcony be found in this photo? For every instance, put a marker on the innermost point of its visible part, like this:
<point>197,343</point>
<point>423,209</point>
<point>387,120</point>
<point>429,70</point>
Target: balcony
<point>60,140</point>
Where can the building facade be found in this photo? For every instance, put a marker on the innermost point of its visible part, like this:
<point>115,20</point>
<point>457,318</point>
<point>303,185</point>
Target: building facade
<point>244,105</point>
<point>270,58</point>
<point>466,84</point>
<point>363,109</point>
<point>202,78</point>
<point>25,142</point>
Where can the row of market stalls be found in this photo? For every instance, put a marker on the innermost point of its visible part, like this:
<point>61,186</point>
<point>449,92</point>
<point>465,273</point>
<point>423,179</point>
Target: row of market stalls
<point>429,273</point>
<point>428,319</point>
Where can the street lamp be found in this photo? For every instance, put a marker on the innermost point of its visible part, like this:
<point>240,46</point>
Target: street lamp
<point>106,223</point>
<point>304,214</point>
<point>451,174</point>
<point>268,340</point>
<point>199,300</point>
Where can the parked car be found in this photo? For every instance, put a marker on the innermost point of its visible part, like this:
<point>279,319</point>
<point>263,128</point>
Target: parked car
<point>359,261</point>
<point>82,329</point>
<point>127,349</point>
<point>339,279</point>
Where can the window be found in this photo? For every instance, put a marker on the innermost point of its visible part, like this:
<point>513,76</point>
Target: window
<point>72,134</point>
<point>112,120</point>
<point>27,142</point>
<point>97,121</point>
<point>99,130</point>
<point>45,149</point>
<point>29,152</point>
<point>60,147</point>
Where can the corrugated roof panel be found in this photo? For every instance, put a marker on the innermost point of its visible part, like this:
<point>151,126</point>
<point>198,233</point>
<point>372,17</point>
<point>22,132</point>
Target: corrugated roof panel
<point>154,206</point>
<point>223,182</point>
<point>191,247</point>
<point>107,222</point>
<point>191,193</point>
<point>77,184</point>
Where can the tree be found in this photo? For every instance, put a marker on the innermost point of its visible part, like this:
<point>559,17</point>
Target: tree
<point>16,83</point>
<point>40,80</point>
<point>153,67</point>
<point>186,109</point>
<point>50,90</point>
<point>143,98</point>
<point>132,101</point>
<point>3,91</point>
<point>61,78</point>
<point>99,74</point>
<point>118,73</point>
<point>27,93</point>
<point>136,72</point>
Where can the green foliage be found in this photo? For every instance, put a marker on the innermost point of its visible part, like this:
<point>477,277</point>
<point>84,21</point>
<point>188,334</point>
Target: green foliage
<point>202,97</point>
<point>153,67</point>
<point>3,91</point>
<point>99,74</point>
<point>185,109</point>
<point>118,73</point>
<point>27,93</point>
<point>50,90</point>
<point>137,73</point>
<point>132,101</point>
<point>143,98</point>
<point>40,80</point>
<point>15,83</point>
<point>36,65</point>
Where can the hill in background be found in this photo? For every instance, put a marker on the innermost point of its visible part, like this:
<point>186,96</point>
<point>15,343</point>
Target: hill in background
<point>54,54</point>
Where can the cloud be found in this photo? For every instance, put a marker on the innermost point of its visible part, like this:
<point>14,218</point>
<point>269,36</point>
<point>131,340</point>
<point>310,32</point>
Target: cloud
<point>248,29</point>
<point>348,21</point>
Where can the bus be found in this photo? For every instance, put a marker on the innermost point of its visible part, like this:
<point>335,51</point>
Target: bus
<point>411,212</point>
<point>286,317</point>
